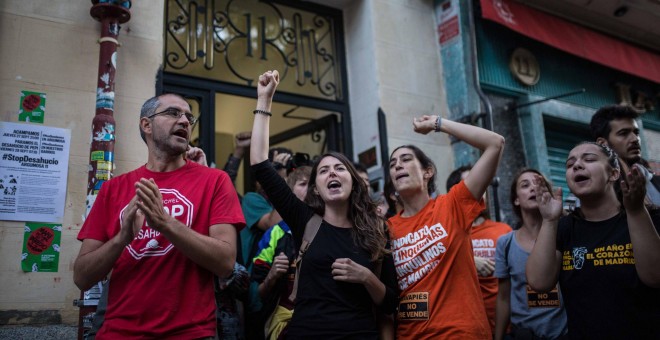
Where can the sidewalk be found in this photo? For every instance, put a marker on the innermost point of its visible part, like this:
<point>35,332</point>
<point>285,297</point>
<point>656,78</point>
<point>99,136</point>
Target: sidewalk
<point>48,332</point>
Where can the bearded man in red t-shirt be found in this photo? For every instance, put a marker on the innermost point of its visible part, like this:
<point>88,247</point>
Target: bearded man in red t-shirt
<point>162,231</point>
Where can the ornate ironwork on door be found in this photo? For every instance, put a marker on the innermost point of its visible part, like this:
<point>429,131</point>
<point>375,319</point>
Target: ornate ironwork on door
<point>235,41</point>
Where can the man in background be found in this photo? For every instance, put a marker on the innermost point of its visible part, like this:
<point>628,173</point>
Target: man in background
<point>485,233</point>
<point>616,127</point>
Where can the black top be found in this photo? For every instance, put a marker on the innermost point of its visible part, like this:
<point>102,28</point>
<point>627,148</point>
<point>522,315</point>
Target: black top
<point>325,308</point>
<point>603,295</point>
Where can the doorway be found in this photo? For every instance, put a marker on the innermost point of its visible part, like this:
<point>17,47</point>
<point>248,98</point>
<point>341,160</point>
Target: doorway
<point>215,51</point>
<point>225,111</point>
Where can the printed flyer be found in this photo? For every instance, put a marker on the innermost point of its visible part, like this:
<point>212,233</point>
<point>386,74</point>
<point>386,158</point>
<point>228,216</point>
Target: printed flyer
<point>33,172</point>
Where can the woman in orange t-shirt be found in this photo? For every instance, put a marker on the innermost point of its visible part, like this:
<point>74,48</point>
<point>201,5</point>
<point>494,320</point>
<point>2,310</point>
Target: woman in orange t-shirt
<point>440,295</point>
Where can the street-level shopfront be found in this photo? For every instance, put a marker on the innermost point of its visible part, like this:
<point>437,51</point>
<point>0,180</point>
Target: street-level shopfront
<point>543,97</point>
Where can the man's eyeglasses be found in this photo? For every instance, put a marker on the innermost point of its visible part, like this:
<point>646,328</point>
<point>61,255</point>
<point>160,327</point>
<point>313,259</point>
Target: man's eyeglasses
<point>174,113</point>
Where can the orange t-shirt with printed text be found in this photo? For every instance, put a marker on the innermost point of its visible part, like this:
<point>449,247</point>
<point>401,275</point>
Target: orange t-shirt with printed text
<point>440,296</point>
<point>484,243</point>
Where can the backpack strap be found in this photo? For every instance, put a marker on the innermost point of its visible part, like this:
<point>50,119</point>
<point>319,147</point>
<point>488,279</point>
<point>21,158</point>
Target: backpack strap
<point>311,228</point>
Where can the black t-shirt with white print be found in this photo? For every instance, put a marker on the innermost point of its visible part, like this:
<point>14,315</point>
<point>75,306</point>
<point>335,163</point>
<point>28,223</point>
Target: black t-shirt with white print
<point>326,308</point>
<point>603,295</point>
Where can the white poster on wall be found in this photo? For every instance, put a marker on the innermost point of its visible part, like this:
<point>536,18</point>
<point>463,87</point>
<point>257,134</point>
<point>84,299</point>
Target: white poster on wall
<point>33,172</point>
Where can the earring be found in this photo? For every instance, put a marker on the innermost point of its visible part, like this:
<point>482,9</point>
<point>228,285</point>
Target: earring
<point>396,193</point>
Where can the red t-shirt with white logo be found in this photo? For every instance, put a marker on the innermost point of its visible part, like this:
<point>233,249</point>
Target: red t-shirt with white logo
<point>155,290</point>
<point>432,250</point>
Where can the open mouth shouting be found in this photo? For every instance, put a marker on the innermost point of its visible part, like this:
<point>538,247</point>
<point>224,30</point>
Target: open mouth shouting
<point>183,133</point>
<point>400,176</point>
<point>334,185</point>
<point>581,179</point>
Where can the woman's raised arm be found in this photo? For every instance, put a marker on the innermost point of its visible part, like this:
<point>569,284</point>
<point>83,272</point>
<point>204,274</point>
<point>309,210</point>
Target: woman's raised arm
<point>261,126</point>
<point>489,142</point>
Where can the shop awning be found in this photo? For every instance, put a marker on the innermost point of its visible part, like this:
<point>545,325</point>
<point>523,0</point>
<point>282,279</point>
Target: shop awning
<point>574,39</point>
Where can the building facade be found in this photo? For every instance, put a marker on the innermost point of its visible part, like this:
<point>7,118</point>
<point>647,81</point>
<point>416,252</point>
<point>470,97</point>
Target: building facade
<point>540,78</point>
<point>354,74</point>
<point>387,72</point>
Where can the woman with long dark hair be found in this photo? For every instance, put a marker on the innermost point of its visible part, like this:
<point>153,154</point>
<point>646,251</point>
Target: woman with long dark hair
<point>339,283</point>
<point>606,254</point>
<point>431,242</point>
<point>530,313</point>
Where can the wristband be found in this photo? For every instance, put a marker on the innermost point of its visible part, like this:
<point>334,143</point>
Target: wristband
<point>263,112</point>
<point>438,124</point>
